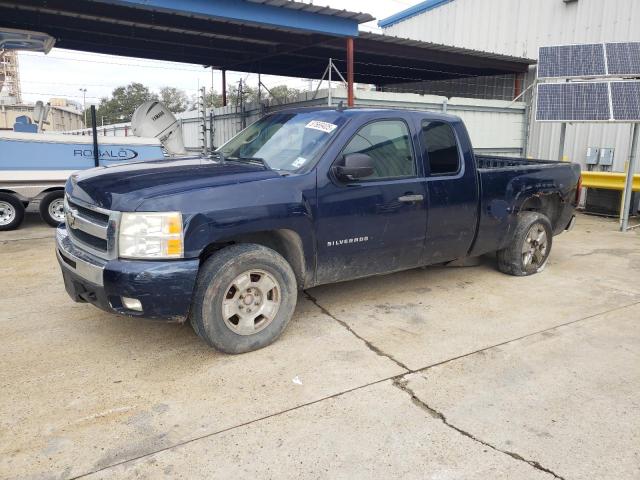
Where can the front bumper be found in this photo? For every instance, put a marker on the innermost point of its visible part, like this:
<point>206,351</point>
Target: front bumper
<point>164,288</point>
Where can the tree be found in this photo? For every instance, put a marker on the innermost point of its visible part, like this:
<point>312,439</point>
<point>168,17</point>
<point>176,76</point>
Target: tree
<point>213,99</point>
<point>283,93</point>
<point>249,94</point>
<point>174,99</point>
<point>277,94</point>
<point>123,102</point>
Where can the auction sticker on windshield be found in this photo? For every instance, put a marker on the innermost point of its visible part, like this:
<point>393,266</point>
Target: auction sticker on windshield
<point>322,126</point>
<point>298,162</point>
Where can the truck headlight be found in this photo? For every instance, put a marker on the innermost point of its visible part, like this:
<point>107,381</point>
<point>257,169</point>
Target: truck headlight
<point>151,235</point>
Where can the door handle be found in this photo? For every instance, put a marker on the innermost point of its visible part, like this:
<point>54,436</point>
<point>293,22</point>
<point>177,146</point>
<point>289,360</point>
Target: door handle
<point>411,198</point>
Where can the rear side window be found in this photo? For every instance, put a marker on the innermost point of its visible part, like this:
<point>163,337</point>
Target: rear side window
<point>441,148</point>
<point>388,144</point>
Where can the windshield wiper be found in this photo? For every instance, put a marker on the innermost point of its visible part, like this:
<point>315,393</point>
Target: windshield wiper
<point>256,160</point>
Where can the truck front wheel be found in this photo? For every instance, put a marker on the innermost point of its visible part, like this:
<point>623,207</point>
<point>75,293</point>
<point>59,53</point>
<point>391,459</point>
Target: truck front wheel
<point>530,247</point>
<point>244,298</point>
<point>11,212</point>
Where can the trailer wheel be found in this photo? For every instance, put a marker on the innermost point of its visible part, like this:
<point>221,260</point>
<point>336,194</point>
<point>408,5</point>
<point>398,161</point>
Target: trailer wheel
<point>11,212</point>
<point>52,208</point>
<point>530,247</point>
<point>244,298</point>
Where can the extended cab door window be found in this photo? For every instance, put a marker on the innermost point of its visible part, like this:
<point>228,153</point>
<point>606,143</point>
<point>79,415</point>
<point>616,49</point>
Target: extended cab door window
<point>388,144</point>
<point>441,148</point>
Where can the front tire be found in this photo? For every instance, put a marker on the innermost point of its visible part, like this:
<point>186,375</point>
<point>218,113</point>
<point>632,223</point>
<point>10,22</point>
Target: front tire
<point>530,247</point>
<point>11,212</point>
<point>52,208</point>
<point>244,298</point>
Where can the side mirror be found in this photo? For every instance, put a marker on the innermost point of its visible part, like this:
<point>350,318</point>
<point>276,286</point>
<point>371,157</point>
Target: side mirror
<point>356,165</point>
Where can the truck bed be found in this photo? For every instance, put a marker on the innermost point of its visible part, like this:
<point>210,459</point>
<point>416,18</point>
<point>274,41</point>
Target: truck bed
<point>505,181</point>
<point>494,162</point>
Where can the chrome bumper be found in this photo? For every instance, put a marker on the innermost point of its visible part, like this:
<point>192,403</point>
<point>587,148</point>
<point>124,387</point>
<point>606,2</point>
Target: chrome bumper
<point>77,261</point>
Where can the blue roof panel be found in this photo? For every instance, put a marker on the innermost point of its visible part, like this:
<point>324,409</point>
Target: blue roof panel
<point>286,15</point>
<point>411,12</point>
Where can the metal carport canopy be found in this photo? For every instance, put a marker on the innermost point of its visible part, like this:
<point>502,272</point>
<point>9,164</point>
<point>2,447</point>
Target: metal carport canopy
<point>276,37</point>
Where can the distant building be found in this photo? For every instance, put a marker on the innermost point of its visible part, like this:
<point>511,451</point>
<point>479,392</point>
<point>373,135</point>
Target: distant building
<point>519,27</point>
<point>59,118</point>
<point>9,78</point>
<point>64,114</point>
<point>66,103</point>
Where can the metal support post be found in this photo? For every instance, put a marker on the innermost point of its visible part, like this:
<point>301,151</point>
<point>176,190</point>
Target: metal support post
<point>350,99</point>
<point>628,187</point>
<point>259,89</point>
<point>224,88</point>
<point>330,71</point>
<point>202,114</point>
<point>563,133</point>
<point>94,133</point>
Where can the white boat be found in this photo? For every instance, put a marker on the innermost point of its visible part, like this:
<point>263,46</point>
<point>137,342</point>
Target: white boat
<point>35,166</point>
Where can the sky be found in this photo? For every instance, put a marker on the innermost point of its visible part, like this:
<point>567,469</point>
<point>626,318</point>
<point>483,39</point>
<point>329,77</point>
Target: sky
<point>62,73</point>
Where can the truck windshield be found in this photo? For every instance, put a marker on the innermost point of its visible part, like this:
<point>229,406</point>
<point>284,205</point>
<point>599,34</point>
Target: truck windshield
<point>284,141</point>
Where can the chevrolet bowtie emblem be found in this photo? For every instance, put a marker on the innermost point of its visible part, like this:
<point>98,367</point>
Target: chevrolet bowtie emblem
<point>71,218</point>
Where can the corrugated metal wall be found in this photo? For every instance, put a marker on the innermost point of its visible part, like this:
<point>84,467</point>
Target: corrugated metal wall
<point>495,126</point>
<point>519,27</point>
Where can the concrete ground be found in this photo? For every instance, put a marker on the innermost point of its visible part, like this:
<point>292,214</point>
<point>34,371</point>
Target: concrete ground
<point>439,373</point>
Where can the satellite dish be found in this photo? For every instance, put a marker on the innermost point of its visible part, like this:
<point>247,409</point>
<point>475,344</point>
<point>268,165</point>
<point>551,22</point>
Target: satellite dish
<point>154,119</point>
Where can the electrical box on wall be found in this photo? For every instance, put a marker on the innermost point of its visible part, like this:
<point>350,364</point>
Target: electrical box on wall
<point>606,157</point>
<point>593,154</point>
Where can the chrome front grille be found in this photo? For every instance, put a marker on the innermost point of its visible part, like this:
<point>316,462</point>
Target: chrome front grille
<point>92,228</point>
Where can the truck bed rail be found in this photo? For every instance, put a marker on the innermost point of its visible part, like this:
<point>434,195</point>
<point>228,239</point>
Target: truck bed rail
<point>491,161</point>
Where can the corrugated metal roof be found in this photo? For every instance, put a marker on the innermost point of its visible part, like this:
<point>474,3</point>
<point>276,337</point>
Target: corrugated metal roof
<point>378,37</point>
<point>127,28</point>
<point>317,9</point>
<point>411,11</point>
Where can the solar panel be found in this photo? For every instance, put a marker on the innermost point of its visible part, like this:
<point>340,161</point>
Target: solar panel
<point>623,58</point>
<point>573,102</point>
<point>572,61</point>
<point>625,99</point>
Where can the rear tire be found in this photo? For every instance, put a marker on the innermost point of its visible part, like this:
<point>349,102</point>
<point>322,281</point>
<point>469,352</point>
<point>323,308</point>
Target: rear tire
<point>244,298</point>
<point>52,208</point>
<point>11,212</point>
<point>530,247</point>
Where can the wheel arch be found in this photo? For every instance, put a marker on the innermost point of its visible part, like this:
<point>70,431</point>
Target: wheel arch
<point>52,189</point>
<point>549,204</point>
<point>284,241</point>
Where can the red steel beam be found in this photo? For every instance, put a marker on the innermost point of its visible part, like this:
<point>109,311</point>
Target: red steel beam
<point>517,85</point>
<point>350,72</point>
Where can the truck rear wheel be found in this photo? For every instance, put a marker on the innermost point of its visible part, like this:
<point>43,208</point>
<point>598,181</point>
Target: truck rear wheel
<point>52,208</point>
<point>244,298</point>
<point>529,250</point>
<point>11,212</point>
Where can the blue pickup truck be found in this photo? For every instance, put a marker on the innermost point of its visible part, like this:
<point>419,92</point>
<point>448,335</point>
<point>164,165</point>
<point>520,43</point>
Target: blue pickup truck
<point>301,198</point>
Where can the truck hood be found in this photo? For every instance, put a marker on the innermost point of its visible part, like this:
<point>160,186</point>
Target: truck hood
<point>124,187</point>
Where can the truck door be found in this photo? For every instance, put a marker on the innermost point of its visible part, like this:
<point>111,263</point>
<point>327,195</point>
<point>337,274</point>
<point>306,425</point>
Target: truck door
<point>374,224</point>
<point>452,187</point>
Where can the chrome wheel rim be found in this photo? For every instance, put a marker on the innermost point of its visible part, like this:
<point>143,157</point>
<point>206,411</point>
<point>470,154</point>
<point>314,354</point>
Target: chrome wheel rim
<point>251,302</point>
<point>7,213</point>
<point>56,210</point>
<point>534,248</point>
